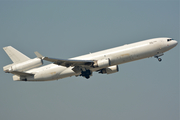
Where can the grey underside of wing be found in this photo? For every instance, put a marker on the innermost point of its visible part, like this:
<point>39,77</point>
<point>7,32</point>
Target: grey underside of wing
<point>69,62</point>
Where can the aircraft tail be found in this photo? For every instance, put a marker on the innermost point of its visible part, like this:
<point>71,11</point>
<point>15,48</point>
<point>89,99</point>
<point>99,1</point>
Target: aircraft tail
<point>21,63</point>
<point>15,55</point>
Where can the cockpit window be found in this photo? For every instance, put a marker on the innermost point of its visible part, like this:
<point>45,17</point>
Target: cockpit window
<point>169,40</point>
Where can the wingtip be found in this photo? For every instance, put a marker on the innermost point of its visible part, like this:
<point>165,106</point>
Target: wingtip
<point>6,47</point>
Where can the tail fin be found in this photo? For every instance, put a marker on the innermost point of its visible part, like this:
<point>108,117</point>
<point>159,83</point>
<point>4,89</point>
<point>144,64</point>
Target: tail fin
<point>15,55</point>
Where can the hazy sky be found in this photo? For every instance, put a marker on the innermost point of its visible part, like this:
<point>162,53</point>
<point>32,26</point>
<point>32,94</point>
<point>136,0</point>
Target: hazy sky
<point>141,90</point>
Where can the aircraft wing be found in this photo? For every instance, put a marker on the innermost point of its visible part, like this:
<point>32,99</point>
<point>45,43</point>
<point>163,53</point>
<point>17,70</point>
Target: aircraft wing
<point>69,62</point>
<point>66,62</point>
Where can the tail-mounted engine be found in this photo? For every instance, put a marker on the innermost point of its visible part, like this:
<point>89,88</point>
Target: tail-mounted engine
<point>29,64</point>
<point>109,70</point>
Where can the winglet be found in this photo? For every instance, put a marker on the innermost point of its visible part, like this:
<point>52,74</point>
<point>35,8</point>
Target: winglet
<point>39,55</point>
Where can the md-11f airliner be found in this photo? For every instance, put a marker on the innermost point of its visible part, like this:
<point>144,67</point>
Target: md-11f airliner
<point>104,62</point>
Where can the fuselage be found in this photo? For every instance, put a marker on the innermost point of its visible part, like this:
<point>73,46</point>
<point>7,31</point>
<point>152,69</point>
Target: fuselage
<point>117,55</point>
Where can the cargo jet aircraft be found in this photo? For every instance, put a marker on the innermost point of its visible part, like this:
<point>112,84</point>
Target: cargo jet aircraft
<point>104,62</point>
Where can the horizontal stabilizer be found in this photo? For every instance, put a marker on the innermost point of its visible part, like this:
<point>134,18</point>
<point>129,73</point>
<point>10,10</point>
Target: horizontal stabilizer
<point>23,74</point>
<point>38,55</point>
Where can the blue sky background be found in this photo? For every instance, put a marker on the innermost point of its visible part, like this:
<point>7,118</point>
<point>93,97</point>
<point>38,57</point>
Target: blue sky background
<point>141,90</point>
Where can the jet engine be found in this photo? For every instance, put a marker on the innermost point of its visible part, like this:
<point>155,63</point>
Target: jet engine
<point>29,64</point>
<point>109,70</point>
<point>102,63</point>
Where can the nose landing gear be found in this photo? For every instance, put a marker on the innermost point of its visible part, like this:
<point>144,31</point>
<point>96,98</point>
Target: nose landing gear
<point>159,59</point>
<point>158,55</point>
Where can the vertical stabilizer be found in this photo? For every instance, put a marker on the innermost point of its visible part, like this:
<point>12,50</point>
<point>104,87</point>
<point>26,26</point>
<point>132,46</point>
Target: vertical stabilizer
<point>15,55</point>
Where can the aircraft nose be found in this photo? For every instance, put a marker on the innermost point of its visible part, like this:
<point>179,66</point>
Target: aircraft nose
<point>175,43</point>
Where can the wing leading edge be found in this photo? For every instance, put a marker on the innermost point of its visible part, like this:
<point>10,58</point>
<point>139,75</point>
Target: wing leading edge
<point>66,62</point>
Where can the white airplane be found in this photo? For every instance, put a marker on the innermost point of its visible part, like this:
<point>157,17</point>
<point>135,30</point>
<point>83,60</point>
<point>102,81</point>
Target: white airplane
<point>104,62</point>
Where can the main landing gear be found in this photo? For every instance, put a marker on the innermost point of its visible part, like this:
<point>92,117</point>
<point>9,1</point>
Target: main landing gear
<point>25,79</point>
<point>158,55</point>
<point>86,74</point>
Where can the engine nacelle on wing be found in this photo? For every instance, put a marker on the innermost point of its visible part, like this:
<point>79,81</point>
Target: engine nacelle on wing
<point>29,64</point>
<point>102,63</point>
<point>110,70</point>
